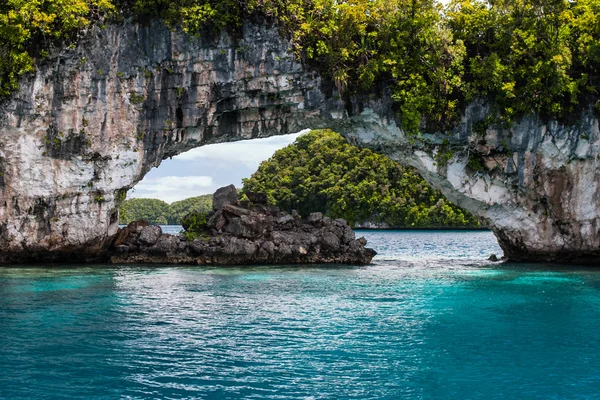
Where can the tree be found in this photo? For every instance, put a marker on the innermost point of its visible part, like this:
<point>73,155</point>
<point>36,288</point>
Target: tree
<point>180,209</point>
<point>321,172</point>
<point>521,56</point>
<point>151,210</point>
<point>158,212</point>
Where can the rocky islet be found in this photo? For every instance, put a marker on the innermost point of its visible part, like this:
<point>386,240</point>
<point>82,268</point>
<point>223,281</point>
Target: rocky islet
<point>251,232</point>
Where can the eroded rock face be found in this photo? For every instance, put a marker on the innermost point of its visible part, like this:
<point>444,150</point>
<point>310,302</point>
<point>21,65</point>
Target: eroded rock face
<point>535,183</point>
<point>243,235</point>
<point>94,120</point>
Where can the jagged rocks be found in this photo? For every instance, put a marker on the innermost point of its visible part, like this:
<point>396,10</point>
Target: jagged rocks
<point>150,234</point>
<point>225,196</point>
<point>253,234</point>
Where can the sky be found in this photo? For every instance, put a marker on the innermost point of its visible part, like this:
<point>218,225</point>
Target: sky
<point>205,169</point>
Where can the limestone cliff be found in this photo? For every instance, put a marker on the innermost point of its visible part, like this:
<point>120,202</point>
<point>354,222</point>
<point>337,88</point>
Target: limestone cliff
<point>94,120</point>
<point>535,183</point>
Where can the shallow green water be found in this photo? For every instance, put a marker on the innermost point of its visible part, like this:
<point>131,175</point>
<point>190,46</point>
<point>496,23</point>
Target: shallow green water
<point>446,325</point>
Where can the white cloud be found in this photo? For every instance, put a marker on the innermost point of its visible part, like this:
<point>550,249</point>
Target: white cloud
<point>249,152</point>
<point>173,188</point>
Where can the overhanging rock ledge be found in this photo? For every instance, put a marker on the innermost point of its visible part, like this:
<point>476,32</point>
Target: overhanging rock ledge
<point>92,121</point>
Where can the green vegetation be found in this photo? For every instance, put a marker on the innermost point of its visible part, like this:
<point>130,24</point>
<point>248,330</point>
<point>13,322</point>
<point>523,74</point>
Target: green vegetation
<point>322,172</point>
<point>523,56</point>
<point>158,212</point>
<point>29,27</point>
<point>538,56</point>
<point>180,209</point>
<point>195,225</point>
<point>151,210</point>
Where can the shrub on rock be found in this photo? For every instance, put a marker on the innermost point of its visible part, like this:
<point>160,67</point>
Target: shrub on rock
<point>195,224</point>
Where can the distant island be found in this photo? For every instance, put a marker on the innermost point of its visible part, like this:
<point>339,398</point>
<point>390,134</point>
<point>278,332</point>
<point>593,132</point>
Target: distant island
<point>159,212</point>
<point>321,172</point>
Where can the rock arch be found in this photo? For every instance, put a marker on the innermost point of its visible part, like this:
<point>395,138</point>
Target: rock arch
<point>94,120</point>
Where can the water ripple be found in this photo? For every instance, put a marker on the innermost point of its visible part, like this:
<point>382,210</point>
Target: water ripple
<point>444,325</point>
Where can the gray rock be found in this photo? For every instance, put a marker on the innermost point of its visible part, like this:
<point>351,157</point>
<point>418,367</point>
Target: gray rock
<point>198,246</point>
<point>330,241</point>
<point>239,247</point>
<point>137,226</point>
<point>493,258</point>
<point>248,226</point>
<point>236,211</point>
<point>355,246</point>
<point>268,247</point>
<point>315,217</point>
<point>150,234</point>
<point>250,235</point>
<point>224,196</point>
<point>284,220</point>
<point>217,221</point>
<point>166,244</point>
<point>348,235</point>
<point>283,250</point>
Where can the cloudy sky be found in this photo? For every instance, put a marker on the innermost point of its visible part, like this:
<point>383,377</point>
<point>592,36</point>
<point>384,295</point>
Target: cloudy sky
<point>205,169</point>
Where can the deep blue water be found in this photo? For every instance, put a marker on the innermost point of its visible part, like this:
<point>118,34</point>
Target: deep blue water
<point>431,319</point>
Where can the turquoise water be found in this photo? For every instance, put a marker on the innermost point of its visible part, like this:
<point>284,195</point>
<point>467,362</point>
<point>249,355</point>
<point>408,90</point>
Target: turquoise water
<point>430,319</point>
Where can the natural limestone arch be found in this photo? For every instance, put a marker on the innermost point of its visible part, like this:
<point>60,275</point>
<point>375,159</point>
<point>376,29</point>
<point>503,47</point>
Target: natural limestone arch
<point>94,120</point>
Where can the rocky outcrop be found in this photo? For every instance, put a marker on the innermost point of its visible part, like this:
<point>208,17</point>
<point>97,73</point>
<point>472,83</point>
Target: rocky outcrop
<point>535,184</point>
<point>253,233</point>
<point>92,121</point>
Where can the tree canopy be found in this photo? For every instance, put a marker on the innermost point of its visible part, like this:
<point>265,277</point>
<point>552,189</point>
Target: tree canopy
<point>322,172</point>
<point>159,212</point>
<point>522,56</point>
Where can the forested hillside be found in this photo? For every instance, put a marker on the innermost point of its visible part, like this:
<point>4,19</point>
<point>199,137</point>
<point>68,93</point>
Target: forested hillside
<point>158,212</point>
<point>322,172</point>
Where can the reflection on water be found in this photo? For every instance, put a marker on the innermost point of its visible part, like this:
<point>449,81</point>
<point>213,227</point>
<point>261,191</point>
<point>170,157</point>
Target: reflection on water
<point>444,325</point>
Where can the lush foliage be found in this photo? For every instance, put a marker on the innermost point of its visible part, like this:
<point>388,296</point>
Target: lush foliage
<point>29,27</point>
<point>193,15</point>
<point>180,209</point>
<point>158,212</point>
<point>322,172</point>
<point>524,56</point>
<point>195,225</point>
<point>151,210</point>
<point>541,55</point>
<point>362,44</point>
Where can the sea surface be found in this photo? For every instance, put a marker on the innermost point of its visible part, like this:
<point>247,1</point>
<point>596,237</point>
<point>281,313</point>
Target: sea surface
<point>430,319</point>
